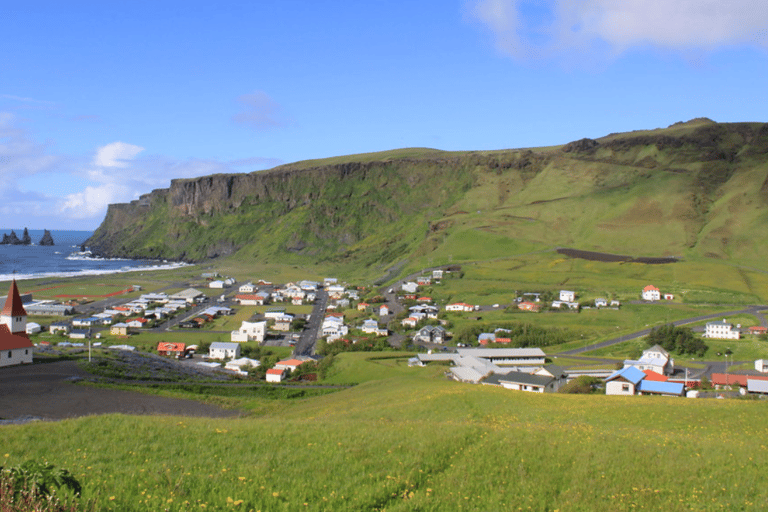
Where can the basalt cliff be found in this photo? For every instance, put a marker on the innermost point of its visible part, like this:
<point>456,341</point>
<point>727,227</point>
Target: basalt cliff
<point>698,187</point>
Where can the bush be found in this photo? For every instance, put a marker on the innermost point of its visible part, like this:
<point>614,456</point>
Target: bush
<point>32,486</point>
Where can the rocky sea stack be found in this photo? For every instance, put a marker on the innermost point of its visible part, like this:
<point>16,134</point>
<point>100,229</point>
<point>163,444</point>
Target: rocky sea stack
<point>47,239</point>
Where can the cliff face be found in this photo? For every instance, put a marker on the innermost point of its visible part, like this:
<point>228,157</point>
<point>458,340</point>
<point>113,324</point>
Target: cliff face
<point>691,187</point>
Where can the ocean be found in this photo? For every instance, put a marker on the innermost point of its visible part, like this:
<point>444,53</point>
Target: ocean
<point>63,259</point>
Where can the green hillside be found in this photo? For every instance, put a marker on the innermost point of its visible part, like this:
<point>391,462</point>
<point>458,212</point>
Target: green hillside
<point>410,440</point>
<point>693,190</point>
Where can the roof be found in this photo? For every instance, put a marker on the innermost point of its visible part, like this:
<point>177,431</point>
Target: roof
<point>649,288</point>
<point>663,388</point>
<point>224,345</point>
<point>723,379</point>
<point>13,305</point>
<point>656,348</point>
<point>290,362</point>
<point>501,352</point>
<point>526,378</point>
<point>275,371</point>
<point>651,375</point>
<point>630,373</point>
<point>248,296</point>
<point>170,346</point>
<point>10,341</point>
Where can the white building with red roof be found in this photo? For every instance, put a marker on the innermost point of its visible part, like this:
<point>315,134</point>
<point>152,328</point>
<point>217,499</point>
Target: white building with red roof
<point>15,347</point>
<point>650,292</point>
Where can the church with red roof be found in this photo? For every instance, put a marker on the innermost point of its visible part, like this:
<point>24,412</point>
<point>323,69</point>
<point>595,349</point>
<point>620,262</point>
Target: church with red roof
<point>15,347</point>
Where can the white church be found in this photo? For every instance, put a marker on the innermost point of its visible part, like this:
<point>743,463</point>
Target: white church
<point>15,347</point>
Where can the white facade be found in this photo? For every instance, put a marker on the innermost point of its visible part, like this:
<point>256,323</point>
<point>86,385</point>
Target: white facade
<point>16,356</point>
<point>222,350</point>
<point>567,296</point>
<point>249,331</point>
<point>761,365</point>
<point>650,292</point>
<point>721,330</point>
<point>247,288</point>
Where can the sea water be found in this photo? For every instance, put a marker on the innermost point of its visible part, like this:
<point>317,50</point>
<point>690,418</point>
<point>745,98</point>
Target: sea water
<point>64,259</point>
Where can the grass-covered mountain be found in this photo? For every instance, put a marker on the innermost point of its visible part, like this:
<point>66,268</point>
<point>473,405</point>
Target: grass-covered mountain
<point>693,189</point>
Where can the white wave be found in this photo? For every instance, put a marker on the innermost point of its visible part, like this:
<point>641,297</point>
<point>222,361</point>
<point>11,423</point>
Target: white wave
<point>92,272</point>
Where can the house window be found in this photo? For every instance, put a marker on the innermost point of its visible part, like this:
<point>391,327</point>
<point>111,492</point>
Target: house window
<point>10,354</point>
<point>625,388</point>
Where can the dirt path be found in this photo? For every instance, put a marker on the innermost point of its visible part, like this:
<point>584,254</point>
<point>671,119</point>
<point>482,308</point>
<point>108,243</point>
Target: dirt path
<point>47,391</point>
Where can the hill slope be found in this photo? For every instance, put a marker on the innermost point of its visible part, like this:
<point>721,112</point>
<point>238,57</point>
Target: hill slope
<point>695,188</point>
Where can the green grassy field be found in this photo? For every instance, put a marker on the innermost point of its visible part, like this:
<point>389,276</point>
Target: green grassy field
<point>411,440</point>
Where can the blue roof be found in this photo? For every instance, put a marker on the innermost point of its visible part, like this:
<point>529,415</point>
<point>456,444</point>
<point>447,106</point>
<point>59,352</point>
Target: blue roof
<point>666,388</point>
<point>629,373</point>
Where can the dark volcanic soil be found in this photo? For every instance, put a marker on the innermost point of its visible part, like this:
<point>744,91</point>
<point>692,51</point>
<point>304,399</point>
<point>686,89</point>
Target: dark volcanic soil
<point>47,391</point>
<point>612,258</point>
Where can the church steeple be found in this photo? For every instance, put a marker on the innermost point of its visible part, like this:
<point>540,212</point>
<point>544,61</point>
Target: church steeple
<point>14,315</point>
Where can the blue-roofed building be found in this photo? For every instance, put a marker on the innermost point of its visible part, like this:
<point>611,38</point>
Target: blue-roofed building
<point>624,381</point>
<point>654,387</point>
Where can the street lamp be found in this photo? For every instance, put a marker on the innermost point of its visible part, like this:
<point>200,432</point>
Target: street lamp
<point>726,369</point>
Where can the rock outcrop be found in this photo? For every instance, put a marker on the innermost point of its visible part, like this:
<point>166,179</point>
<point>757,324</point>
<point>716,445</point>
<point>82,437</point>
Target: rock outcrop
<point>47,239</point>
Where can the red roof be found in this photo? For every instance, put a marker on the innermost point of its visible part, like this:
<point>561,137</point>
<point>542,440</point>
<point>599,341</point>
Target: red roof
<point>424,299</point>
<point>248,296</point>
<point>10,341</point>
<point>291,362</point>
<point>720,379</point>
<point>13,305</point>
<point>274,371</point>
<point>649,288</point>
<point>758,328</point>
<point>167,346</point>
<point>652,375</point>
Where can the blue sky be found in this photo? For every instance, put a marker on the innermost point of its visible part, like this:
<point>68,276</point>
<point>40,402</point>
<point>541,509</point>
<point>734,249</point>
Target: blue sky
<point>103,101</point>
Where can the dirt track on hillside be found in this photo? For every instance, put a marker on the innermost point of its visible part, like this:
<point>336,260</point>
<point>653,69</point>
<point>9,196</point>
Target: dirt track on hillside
<point>47,392</point>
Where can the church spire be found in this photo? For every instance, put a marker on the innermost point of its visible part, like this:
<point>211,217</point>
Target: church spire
<point>14,315</point>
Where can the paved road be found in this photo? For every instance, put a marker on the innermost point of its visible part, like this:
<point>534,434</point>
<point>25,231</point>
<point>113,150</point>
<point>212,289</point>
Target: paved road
<point>752,310</point>
<point>306,344</point>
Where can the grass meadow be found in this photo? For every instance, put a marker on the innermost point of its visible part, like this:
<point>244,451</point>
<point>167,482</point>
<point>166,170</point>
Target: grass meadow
<point>408,439</point>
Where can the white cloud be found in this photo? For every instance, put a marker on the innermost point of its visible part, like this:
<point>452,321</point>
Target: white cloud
<point>552,28</point>
<point>93,201</point>
<point>40,189</point>
<point>116,154</point>
<point>259,111</point>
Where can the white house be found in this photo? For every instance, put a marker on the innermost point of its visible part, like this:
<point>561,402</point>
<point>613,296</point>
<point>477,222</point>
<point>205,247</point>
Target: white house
<point>33,328</point>
<point>242,364</point>
<point>761,365</point>
<point>624,382</point>
<point>223,350</point>
<point>567,296</point>
<point>459,306</point>
<point>249,331</point>
<point>410,287</point>
<point>247,288</point>
<point>216,284</point>
<point>383,310</point>
<point>600,302</point>
<point>437,274</point>
<point>15,347</point>
<point>275,375</point>
<point>654,358</point>
<point>722,331</point>
<point>370,326</point>
<point>650,292</point>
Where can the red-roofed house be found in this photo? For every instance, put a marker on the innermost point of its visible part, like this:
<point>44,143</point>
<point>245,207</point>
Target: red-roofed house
<point>165,348</point>
<point>459,306</point>
<point>528,306</point>
<point>275,375</point>
<point>249,299</point>
<point>137,322</point>
<point>14,349</point>
<point>424,299</point>
<point>288,364</point>
<point>650,292</point>
<point>758,329</point>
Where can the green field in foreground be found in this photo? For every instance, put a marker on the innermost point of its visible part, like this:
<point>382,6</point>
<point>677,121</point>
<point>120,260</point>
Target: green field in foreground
<point>411,440</point>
